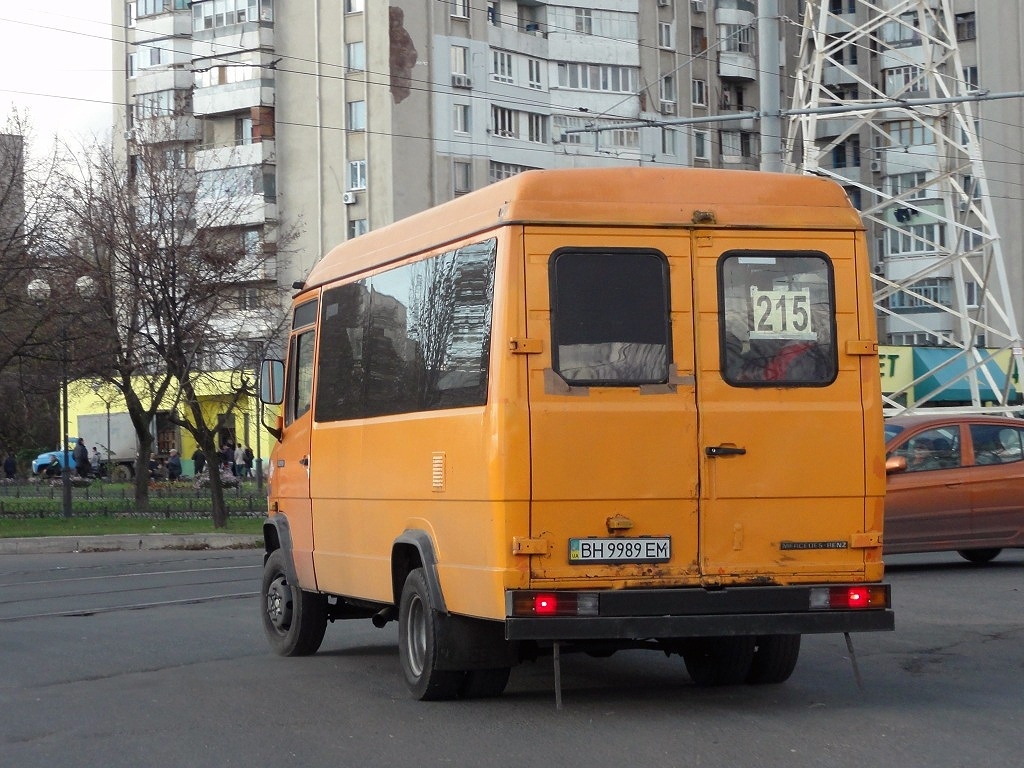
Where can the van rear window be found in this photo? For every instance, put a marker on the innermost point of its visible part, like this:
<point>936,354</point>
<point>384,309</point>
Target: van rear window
<point>610,317</point>
<point>777,319</point>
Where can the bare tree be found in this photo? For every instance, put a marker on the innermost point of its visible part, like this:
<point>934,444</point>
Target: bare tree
<point>28,355</point>
<point>185,285</point>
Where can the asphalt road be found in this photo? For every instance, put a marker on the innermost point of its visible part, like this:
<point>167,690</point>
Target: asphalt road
<point>156,658</point>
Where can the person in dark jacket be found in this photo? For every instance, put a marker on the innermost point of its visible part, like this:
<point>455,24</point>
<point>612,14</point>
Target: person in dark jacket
<point>173,465</point>
<point>199,459</point>
<point>81,457</point>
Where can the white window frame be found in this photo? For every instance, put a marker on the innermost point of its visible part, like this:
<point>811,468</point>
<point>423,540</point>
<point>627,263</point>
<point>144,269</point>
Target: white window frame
<point>355,56</point>
<point>502,70</point>
<point>356,174</point>
<point>666,35</point>
<point>462,177</point>
<point>701,145</point>
<point>504,122</point>
<point>535,68</point>
<point>459,59</point>
<point>355,115</point>
<point>699,92</point>
<point>461,114</point>
<point>460,9</point>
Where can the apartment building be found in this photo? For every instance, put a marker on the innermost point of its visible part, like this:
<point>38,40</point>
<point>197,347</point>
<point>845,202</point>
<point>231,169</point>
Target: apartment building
<point>339,117</point>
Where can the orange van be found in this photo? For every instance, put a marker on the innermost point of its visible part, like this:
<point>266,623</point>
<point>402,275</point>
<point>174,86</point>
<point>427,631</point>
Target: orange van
<point>583,409</point>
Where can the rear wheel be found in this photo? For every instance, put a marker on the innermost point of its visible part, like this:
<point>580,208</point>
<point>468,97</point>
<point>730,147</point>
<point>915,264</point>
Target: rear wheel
<point>484,683</point>
<point>713,661</point>
<point>294,620</point>
<point>979,556</point>
<point>420,629</point>
<point>775,658</point>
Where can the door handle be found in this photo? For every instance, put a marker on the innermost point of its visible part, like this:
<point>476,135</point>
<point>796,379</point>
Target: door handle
<point>724,450</point>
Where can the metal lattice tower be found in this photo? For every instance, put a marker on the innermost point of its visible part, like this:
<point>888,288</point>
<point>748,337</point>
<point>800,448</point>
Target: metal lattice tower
<point>881,105</point>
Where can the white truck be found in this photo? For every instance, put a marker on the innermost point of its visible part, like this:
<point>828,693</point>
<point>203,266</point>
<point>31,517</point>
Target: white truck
<point>114,435</point>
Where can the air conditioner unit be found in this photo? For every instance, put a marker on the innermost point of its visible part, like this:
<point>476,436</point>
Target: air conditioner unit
<point>668,108</point>
<point>461,81</point>
<point>664,3</point>
<point>129,135</point>
<point>876,165</point>
<point>699,6</point>
<point>879,269</point>
<point>348,198</point>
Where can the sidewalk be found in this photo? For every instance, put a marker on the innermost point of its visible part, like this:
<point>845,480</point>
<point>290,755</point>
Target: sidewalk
<point>124,542</point>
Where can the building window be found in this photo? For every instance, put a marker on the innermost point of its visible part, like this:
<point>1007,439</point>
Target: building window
<point>353,6</point>
<point>460,60</point>
<point>909,133</point>
<point>460,8</point>
<point>462,177</point>
<point>356,115</point>
<point>584,21</point>
<point>970,78</point>
<point>503,122</point>
<point>667,88</point>
<point>698,40</point>
<point>668,141</point>
<point>917,239</point>
<point>924,294</point>
<point>357,227</point>
<point>536,128</point>
<point>736,38</point>
<point>243,130</point>
<point>666,35</point>
<point>460,118</point>
<point>965,26</point>
<point>212,14</point>
<point>908,186</point>
<point>900,80</point>
<point>736,144</point>
<point>501,67</point>
<point>699,92</point>
<point>701,145</point>
<point>355,56</point>
<point>847,153</point>
<point>357,174</point>
<point>535,69</point>
<point>499,171</point>
<point>598,77</point>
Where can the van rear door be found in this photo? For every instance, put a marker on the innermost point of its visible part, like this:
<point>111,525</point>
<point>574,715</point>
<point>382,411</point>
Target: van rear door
<point>779,392</point>
<point>613,428</point>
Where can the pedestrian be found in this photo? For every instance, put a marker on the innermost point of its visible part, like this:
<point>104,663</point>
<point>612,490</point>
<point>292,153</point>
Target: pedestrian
<point>81,457</point>
<point>227,456</point>
<point>239,468</point>
<point>173,465</point>
<point>249,456</point>
<point>199,460</point>
<point>96,462</point>
<point>10,466</point>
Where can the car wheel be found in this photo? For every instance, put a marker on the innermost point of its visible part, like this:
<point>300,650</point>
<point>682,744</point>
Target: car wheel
<point>775,658</point>
<point>714,661</point>
<point>484,683</point>
<point>979,556</point>
<point>294,620</point>
<point>420,636</point>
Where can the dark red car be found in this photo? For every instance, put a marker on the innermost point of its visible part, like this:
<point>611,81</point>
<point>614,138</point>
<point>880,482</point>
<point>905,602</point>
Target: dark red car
<point>955,483</point>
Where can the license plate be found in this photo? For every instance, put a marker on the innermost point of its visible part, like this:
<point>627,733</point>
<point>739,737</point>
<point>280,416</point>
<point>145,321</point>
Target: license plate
<point>646,549</point>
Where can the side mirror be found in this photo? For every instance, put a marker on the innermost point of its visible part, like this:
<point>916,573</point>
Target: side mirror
<point>895,464</point>
<point>272,382</point>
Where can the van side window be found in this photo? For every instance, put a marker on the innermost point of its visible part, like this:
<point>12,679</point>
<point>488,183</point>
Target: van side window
<point>610,317</point>
<point>413,338</point>
<point>776,319</point>
<point>300,396</point>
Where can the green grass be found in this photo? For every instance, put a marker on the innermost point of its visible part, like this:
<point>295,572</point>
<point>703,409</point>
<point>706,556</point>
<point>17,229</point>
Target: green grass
<point>100,526</point>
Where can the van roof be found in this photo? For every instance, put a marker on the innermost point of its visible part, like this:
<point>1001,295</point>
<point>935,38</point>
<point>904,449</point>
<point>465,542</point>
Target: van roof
<point>620,196</point>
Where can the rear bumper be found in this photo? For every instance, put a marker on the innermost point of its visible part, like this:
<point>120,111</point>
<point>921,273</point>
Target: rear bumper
<point>677,613</point>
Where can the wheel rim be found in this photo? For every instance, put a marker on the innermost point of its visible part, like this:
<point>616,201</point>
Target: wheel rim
<point>416,636</point>
<point>279,604</point>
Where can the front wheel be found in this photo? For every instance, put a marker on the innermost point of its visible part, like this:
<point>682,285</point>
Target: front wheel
<point>979,556</point>
<point>420,635</point>
<point>294,620</point>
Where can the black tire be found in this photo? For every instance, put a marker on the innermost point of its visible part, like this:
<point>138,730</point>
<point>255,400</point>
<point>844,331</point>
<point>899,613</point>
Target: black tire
<point>979,556</point>
<point>484,683</point>
<point>294,620</point>
<point>715,661</point>
<point>121,474</point>
<point>775,658</point>
<point>420,635</point>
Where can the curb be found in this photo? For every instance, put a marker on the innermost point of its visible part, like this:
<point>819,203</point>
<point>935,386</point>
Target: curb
<point>127,542</point>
